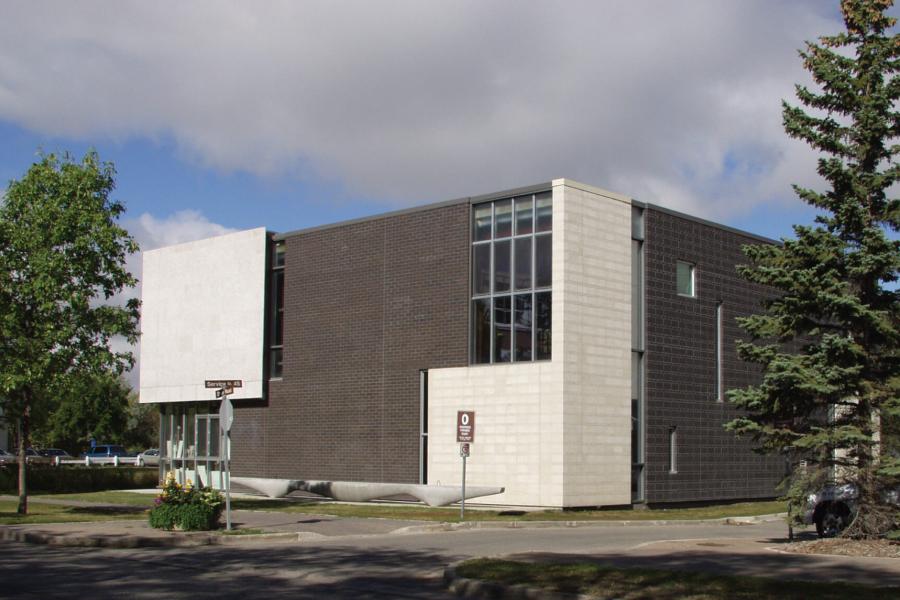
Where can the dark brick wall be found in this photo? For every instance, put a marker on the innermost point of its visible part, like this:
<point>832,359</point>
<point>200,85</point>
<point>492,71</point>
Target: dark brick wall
<point>366,306</point>
<point>681,365</point>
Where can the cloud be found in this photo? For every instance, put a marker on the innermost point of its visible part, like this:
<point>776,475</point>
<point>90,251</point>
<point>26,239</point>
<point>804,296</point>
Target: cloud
<point>672,102</point>
<point>152,232</point>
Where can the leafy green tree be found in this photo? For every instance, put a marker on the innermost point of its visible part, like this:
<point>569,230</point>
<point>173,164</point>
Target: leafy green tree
<point>85,406</point>
<point>828,340</point>
<point>62,255</point>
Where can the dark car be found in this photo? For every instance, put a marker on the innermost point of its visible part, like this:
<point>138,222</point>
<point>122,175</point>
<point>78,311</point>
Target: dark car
<point>54,452</point>
<point>6,457</point>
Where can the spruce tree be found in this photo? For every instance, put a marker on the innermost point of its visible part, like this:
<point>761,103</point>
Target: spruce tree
<point>827,343</point>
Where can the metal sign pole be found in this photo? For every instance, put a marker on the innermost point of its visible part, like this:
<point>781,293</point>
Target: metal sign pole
<point>228,480</point>
<point>462,506</point>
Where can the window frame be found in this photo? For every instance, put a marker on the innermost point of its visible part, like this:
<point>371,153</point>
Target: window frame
<point>692,271</point>
<point>510,291</point>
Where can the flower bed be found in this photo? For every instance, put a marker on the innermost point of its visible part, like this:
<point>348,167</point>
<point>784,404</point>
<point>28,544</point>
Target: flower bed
<point>186,507</point>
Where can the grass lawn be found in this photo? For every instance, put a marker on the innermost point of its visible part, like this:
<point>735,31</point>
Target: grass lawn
<point>425,513</point>
<point>54,513</point>
<point>633,584</point>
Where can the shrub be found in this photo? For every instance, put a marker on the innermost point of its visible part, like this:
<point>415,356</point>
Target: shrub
<point>75,479</point>
<point>186,507</point>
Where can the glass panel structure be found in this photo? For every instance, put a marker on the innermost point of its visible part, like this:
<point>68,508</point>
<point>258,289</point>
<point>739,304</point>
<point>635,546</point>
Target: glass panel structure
<point>512,262</point>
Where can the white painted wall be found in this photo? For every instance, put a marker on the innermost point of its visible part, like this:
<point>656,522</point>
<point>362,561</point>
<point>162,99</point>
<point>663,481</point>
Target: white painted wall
<point>555,433</point>
<point>202,317</point>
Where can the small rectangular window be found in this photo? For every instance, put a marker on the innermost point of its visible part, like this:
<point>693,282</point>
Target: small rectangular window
<point>482,223</point>
<point>543,212</point>
<point>502,218</point>
<point>481,321</point>
<point>276,357</point>
<point>673,450</point>
<point>543,326</point>
<point>501,266</point>
<point>685,279</point>
<point>481,269</point>
<point>522,324</point>
<point>543,260</point>
<point>502,329</point>
<point>524,219</point>
<point>523,263</point>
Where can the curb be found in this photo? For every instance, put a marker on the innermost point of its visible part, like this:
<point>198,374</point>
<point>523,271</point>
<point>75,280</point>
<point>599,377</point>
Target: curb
<point>469,525</point>
<point>185,540</point>
<point>477,589</point>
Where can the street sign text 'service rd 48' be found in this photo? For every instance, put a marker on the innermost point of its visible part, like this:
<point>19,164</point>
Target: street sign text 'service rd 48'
<point>224,383</point>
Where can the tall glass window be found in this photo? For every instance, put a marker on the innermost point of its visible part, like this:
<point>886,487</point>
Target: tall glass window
<point>276,312</point>
<point>512,273</point>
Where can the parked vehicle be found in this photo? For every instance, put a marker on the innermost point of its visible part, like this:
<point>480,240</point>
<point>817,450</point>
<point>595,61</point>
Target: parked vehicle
<point>833,508</point>
<point>54,452</point>
<point>105,451</point>
<point>31,456</point>
<point>149,457</point>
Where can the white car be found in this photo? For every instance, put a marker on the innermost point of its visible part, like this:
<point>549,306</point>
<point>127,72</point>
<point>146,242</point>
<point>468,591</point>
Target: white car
<point>148,457</point>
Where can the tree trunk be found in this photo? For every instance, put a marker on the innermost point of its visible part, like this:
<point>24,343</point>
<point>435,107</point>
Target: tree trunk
<point>23,463</point>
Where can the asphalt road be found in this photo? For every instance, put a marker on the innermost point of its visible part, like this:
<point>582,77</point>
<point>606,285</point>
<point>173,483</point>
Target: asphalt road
<point>359,567</point>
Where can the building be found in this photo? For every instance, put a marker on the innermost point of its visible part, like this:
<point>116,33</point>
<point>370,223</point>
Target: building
<point>593,336</point>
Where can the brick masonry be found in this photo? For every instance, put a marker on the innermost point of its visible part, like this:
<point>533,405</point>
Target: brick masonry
<point>367,305</point>
<point>681,365</point>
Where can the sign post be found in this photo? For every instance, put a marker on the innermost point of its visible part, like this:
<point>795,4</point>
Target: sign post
<point>226,418</point>
<point>224,388</point>
<point>465,435</point>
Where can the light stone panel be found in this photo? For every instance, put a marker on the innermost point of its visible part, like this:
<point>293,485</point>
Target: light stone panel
<point>596,283</point>
<point>202,317</point>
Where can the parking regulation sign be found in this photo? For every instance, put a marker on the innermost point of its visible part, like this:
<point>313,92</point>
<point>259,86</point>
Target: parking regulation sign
<point>465,426</point>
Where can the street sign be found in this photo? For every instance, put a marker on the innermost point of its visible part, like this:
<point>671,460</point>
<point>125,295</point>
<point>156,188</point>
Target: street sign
<point>465,426</point>
<point>224,383</point>
<point>226,415</point>
<point>465,450</point>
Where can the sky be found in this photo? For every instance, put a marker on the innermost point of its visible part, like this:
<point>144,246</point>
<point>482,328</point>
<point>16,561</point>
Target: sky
<point>222,116</point>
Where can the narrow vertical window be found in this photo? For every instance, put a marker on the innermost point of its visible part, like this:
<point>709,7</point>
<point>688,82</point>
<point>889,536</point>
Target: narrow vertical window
<point>685,276</point>
<point>481,331</point>
<point>276,312</point>
<point>720,338</point>
<point>673,450</point>
<point>522,323</point>
<point>502,329</point>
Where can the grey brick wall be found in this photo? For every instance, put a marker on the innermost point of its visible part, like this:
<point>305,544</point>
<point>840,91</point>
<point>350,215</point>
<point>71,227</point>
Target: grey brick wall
<point>681,365</point>
<point>366,306</point>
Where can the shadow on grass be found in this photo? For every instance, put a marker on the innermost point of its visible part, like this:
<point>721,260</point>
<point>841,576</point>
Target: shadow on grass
<point>106,510</point>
